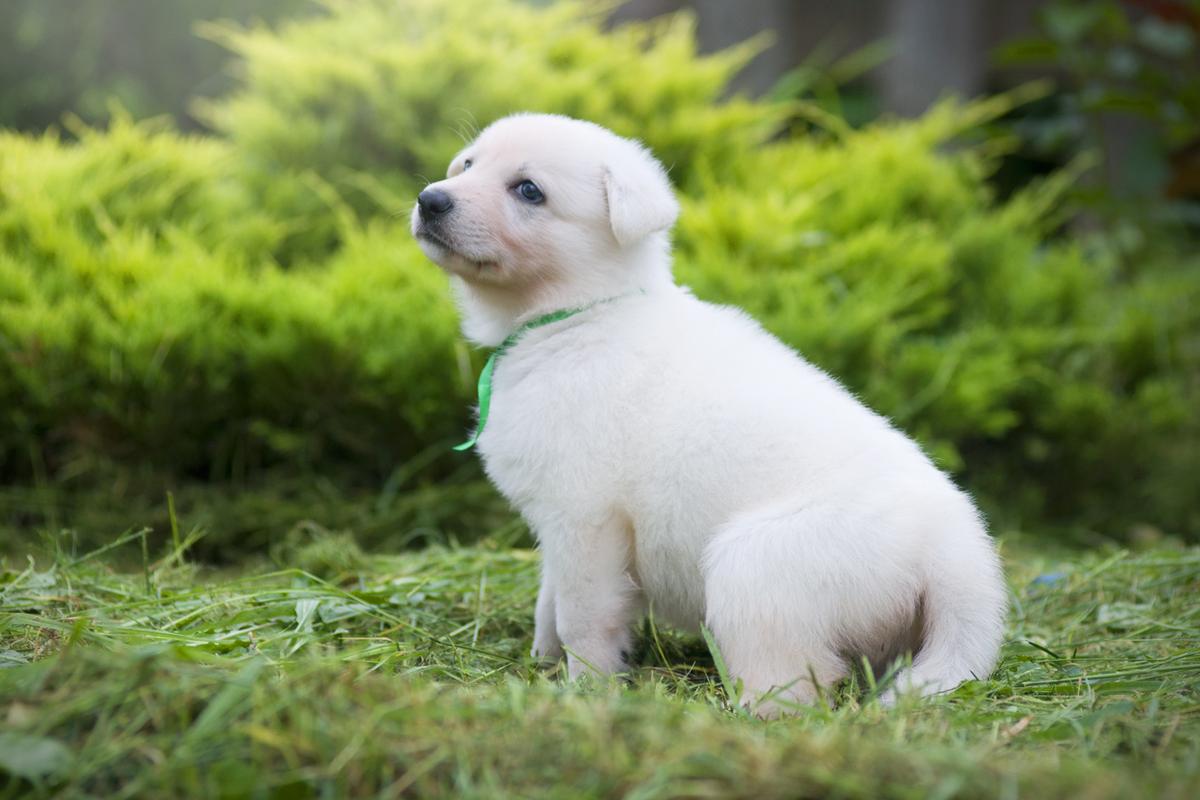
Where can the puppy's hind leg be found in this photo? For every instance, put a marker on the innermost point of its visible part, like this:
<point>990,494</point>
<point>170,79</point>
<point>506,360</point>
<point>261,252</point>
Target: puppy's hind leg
<point>765,608</point>
<point>965,601</point>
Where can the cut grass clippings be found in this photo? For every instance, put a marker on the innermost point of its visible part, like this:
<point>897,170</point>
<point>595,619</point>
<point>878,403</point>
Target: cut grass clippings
<point>369,675</point>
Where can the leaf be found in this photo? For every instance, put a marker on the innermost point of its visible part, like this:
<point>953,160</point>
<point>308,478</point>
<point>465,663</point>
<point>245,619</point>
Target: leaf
<point>1166,38</point>
<point>332,612</point>
<point>34,758</point>
<point>11,658</point>
<point>40,580</point>
<point>1027,52</point>
<point>305,611</point>
<point>1123,615</point>
<point>731,689</point>
<point>1069,23</point>
<point>216,714</point>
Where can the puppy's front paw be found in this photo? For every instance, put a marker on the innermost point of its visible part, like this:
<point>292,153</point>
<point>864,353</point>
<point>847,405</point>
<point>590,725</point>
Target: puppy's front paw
<point>547,650</point>
<point>598,667</point>
<point>602,656</point>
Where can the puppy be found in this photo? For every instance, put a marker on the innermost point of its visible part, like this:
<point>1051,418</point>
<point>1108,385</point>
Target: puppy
<point>671,453</point>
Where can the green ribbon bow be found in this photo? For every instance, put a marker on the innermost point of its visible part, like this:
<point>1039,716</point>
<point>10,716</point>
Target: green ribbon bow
<point>485,377</point>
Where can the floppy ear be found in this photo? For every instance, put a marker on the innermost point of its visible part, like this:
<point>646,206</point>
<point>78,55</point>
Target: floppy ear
<point>640,200</point>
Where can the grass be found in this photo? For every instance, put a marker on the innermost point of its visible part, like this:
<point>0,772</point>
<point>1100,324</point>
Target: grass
<point>349,674</point>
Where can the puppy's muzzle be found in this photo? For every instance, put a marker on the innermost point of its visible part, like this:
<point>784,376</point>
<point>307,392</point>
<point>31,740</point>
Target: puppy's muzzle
<point>433,203</point>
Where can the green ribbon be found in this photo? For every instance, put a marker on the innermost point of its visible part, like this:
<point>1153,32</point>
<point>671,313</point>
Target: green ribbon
<point>485,377</point>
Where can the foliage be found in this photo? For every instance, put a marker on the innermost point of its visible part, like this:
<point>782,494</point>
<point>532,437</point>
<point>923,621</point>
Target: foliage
<point>376,97</point>
<point>143,322</point>
<point>827,86</point>
<point>1122,62</point>
<point>63,54</point>
<point>248,309</point>
<point>388,676</point>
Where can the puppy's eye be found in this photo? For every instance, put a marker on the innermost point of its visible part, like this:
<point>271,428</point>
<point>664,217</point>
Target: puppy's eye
<point>467,164</point>
<point>529,192</point>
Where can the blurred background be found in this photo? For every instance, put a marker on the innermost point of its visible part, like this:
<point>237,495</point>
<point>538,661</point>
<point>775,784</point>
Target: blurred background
<point>981,215</point>
<point>1129,64</point>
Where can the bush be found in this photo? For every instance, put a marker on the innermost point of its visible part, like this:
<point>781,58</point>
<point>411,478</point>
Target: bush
<point>376,97</point>
<point>63,54</point>
<point>143,322</point>
<point>188,308</point>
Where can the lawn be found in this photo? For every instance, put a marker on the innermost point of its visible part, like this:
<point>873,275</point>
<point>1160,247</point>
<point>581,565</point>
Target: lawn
<point>352,674</point>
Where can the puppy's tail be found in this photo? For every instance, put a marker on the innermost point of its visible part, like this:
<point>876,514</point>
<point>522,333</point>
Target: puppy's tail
<point>963,610</point>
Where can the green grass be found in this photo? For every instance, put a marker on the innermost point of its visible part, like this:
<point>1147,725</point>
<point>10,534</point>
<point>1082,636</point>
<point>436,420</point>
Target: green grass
<point>348,674</point>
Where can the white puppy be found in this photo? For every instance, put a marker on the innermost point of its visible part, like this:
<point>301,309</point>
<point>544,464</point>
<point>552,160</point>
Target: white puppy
<point>671,452</point>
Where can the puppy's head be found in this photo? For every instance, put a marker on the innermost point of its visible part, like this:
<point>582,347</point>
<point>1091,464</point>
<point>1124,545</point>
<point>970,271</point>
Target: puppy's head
<point>538,198</point>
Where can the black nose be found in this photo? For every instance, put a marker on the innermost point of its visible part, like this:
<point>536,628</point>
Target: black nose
<point>434,202</point>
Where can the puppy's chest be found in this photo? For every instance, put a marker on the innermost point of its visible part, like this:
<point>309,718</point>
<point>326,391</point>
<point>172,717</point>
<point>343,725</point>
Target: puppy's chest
<point>552,422</point>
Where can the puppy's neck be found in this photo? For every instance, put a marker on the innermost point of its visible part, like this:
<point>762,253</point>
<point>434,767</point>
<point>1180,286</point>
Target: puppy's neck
<point>492,312</point>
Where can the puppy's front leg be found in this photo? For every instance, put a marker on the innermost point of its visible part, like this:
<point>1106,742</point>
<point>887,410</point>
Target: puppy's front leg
<point>547,647</point>
<point>594,596</point>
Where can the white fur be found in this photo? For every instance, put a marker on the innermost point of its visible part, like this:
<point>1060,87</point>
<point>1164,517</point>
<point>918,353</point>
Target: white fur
<point>669,451</point>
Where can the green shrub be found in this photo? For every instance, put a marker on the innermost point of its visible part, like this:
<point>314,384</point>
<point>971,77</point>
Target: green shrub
<point>142,321</point>
<point>64,54</point>
<point>138,181</point>
<point>376,97</point>
<point>178,309</point>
